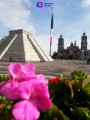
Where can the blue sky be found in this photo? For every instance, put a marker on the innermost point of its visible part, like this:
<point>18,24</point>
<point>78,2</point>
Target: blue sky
<point>71,19</point>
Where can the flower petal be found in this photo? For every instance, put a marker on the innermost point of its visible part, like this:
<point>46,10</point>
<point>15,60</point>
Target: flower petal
<point>14,69</point>
<point>40,90</point>
<point>9,89</point>
<point>41,79</point>
<point>25,90</point>
<point>40,97</point>
<point>28,69</point>
<point>25,110</point>
<point>42,102</point>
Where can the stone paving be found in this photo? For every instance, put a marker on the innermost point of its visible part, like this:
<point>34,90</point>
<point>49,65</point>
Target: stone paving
<point>55,68</point>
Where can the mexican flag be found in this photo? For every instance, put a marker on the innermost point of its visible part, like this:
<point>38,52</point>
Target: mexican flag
<point>51,29</point>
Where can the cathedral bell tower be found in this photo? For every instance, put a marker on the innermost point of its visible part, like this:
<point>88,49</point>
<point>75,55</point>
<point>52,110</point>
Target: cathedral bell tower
<point>60,44</point>
<point>84,42</point>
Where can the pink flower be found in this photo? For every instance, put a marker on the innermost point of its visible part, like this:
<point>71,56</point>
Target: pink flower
<point>21,72</point>
<point>28,89</point>
<point>34,97</point>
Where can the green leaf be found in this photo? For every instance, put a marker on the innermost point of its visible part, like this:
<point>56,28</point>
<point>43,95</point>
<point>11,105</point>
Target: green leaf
<point>3,77</point>
<point>67,89</point>
<point>81,113</point>
<point>78,75</point>
<point>3,99</point>
<point>63,77</point>
<point>86,82</point>
<point>87,89</point>
<point>53,113</point>
<point>86,85</point>
<point>62,116</point>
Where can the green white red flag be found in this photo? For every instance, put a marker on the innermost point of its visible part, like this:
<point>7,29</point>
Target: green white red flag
<point>51,29</point>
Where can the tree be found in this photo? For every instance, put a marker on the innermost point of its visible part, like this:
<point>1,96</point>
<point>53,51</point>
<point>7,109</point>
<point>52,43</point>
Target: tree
<point>54,56</point>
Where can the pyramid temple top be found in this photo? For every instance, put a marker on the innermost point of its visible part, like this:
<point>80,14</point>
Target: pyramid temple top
<point>19,31</point>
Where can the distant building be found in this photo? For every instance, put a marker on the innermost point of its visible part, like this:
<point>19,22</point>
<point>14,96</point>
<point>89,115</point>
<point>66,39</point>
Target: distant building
<point>84,42</point>
<point>73,51</point>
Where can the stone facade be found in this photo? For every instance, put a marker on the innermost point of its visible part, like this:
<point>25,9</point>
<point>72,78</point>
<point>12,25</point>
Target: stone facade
<point>73,51</point>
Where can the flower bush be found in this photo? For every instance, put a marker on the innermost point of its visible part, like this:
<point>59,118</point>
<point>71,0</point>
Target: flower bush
<point>71,96</point>
<point>26,96</point>
<point>26,92</point>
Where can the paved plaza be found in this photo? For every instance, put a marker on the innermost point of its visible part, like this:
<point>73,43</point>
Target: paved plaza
<point>55,68</point>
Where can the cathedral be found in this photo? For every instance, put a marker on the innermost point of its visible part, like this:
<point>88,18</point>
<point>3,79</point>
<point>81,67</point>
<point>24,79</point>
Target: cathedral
<point>73,51</point>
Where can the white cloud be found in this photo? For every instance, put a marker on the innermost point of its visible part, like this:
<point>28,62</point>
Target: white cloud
<point>28,2</point>
<point>85,3</point>
<point>14,15</point>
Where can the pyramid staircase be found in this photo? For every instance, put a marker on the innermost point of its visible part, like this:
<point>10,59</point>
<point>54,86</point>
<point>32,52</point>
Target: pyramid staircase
<point>20,45</point>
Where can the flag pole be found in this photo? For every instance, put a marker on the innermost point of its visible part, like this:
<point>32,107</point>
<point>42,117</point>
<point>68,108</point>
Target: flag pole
<point>51,29</point>
<point>50,43</point>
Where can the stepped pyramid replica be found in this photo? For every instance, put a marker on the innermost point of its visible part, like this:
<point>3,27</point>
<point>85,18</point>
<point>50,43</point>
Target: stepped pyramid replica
<point>20,45</point>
